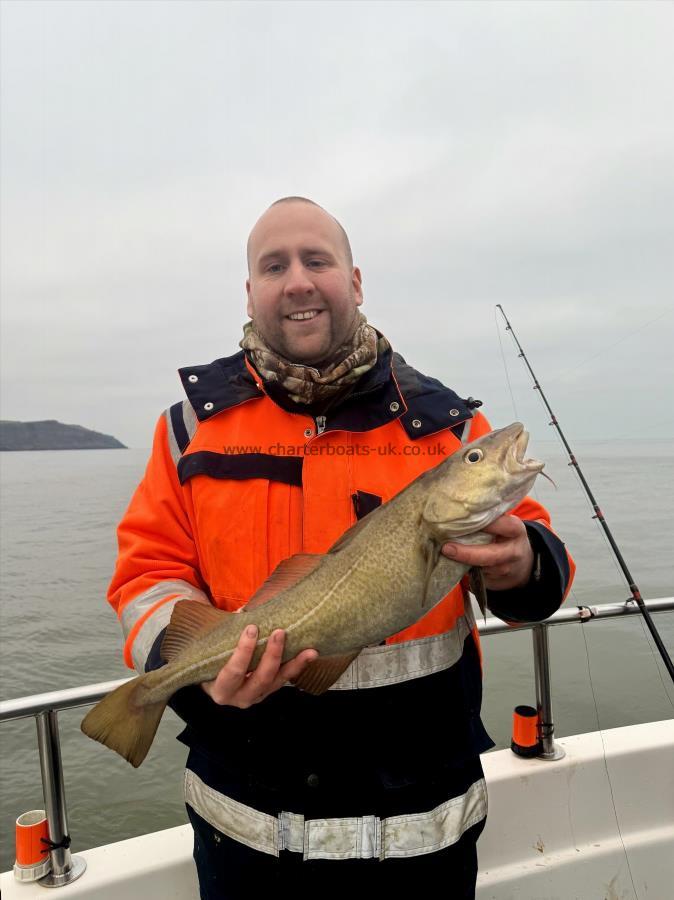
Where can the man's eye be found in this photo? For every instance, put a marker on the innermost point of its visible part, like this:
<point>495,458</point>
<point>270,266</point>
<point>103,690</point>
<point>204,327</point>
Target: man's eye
<point>274,267</point>
<point>316,262</point>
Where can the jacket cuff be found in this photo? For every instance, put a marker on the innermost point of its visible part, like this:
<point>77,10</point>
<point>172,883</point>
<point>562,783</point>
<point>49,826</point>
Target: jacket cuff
<point>154,658</point>
<point>545,590</point>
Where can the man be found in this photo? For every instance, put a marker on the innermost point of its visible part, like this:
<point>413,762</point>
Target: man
<point>277,451</point>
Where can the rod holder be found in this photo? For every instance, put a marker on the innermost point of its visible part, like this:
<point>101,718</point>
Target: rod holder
<point>65,868</point>
<point>550,750</point>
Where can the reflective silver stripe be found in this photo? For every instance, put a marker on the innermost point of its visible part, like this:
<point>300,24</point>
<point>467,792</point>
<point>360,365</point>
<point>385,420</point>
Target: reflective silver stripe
<point>174,449</point>
<point>149,630</point>
<point>190,422</point>
<point>393,663</point>
<point>362,837</point>
<point>189,418</point>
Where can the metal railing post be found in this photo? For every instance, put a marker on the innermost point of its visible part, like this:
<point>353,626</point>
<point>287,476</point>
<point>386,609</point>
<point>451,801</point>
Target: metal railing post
<point>65,868</point>
<point>551,750</point>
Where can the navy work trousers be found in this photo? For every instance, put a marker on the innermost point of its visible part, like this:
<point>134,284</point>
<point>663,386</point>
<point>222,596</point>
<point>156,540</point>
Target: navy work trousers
<point>229,870</point>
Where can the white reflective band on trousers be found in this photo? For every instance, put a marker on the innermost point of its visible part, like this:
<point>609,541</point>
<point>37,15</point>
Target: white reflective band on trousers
<point>363,837</point>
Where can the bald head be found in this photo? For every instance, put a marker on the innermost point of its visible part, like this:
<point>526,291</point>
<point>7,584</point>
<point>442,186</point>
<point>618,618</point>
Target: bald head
<point>343,237</point>
<point>303,289</point>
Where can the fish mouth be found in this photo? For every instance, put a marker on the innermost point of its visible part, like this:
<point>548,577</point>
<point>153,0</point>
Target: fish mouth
<point>516,462</point>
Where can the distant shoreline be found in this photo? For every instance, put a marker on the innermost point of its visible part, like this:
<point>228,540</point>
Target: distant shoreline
<point>52,435</point>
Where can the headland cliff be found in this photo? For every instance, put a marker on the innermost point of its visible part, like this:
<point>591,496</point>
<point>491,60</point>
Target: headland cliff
<point>52,435</point>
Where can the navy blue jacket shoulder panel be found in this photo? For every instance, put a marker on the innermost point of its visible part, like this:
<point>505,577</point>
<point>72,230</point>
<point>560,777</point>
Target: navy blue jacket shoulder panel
<point>391,389</point>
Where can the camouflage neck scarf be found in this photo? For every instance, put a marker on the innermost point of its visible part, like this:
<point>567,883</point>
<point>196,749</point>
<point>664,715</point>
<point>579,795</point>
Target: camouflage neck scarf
<point>305,384</point>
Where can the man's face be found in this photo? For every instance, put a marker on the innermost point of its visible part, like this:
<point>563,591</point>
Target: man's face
<point>298,265</point>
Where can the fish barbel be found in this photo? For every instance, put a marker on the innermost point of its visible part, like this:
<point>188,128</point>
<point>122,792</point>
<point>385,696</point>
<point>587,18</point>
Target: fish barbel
<point>380,577</point>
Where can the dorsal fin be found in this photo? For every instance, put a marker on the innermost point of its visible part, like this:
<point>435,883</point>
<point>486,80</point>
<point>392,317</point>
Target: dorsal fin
<point>190,621</point>
<point>323,672</point>
<point>286,575</point>
<point>431,553</point>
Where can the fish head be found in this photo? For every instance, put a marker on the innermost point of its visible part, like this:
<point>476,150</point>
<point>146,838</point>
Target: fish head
<point>479,483</point>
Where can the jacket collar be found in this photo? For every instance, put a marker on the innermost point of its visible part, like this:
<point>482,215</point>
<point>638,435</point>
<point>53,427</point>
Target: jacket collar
<point>390,390</point>
<point>219,385</point>
<point>430,406</point>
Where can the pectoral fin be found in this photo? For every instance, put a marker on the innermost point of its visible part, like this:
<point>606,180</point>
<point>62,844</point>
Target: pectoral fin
<point>431,551</point>
<point>477,587</point>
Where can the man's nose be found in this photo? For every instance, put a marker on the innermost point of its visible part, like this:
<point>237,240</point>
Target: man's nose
<point>298,280</point>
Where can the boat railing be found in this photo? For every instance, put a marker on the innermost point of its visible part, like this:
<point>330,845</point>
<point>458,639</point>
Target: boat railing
<point>45,707</point>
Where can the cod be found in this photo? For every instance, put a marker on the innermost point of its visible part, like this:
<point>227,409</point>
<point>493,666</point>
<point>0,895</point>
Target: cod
<point>380,577</point>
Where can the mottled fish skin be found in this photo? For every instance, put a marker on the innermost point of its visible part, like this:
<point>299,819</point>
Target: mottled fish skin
<point>383,575</point>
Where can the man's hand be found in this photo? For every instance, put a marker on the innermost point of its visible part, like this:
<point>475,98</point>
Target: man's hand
<point>234,685</point>
<point>506,562</point>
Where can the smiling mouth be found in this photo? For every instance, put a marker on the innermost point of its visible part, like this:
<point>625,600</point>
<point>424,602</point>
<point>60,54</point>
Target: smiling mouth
<point>304,316</point>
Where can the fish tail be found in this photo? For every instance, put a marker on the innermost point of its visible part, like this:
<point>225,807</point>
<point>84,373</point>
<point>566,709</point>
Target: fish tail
<point>124,724</point>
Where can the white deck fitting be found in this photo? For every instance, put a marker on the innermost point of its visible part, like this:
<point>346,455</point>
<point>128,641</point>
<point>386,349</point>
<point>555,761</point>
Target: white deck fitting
<point>156,866</point>
<point>551,832</point>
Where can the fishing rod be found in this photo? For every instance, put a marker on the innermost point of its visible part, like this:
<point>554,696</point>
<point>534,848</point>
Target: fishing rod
<point>599,515</point>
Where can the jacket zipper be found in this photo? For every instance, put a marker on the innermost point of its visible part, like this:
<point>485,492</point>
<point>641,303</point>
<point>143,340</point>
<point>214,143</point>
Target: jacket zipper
<point>321,420</point>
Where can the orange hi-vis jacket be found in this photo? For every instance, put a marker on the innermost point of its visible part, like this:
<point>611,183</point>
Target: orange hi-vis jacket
<point>386,762</point>
<point>236,483</point>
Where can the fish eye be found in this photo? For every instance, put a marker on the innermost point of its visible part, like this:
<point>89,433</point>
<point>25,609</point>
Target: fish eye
<point>473,456</point>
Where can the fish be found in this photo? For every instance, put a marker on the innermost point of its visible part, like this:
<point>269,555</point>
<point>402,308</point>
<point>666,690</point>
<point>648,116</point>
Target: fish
<point>381,576</point>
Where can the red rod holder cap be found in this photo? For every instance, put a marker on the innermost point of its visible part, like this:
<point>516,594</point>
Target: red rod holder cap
<point>32,852</point>
<point>525,739</point>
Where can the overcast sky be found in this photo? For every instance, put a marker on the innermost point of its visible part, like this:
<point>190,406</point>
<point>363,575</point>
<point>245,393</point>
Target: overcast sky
<point>476,153</point>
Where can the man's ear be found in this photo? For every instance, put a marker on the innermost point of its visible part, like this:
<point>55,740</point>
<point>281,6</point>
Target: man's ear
<point>357,282</point>
<point>249,303</point>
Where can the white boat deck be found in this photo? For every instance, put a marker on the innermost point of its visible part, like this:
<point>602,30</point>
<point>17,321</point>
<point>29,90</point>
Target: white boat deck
<point>556,830</point>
